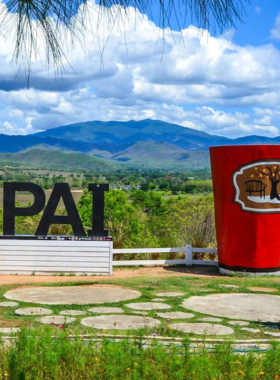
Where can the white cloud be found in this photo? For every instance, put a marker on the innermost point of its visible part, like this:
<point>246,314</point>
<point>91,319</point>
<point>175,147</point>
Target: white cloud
<point>275,32</point>
<point>257,10</point>
<point>191,78</point>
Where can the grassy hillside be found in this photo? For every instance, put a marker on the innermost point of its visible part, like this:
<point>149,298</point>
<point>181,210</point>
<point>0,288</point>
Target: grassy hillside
<point>147,154</point>
<point>58,160</point>
<point>155,154</point>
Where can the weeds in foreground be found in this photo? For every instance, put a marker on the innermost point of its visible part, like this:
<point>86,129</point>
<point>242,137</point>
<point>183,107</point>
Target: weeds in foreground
<point>52,353</point>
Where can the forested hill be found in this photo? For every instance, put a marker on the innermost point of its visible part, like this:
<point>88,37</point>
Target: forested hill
<point>147,143</point>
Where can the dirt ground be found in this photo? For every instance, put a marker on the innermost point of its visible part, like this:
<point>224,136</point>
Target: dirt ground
<point>170,271</point>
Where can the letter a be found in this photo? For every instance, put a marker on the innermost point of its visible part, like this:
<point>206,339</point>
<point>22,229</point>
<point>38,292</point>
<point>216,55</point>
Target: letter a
<point>61,190</point>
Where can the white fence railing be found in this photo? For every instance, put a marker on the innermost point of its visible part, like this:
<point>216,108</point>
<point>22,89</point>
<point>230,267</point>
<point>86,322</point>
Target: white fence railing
<point>187,260</point>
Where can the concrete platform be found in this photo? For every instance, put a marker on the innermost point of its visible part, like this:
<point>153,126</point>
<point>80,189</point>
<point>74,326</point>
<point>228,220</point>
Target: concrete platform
<point>119,322</point>
<point>69,295</point>
<point>250,307</point>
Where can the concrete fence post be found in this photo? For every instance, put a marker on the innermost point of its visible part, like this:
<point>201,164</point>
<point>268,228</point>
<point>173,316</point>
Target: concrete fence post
<point>188,256</point>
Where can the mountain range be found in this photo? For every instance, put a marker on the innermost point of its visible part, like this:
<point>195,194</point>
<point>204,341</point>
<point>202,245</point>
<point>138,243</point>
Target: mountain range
<point>148,143</point>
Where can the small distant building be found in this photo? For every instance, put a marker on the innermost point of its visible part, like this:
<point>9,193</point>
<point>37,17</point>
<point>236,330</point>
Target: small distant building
<point>128,187</point>
<point>114,187</point>
<point>191,178</point>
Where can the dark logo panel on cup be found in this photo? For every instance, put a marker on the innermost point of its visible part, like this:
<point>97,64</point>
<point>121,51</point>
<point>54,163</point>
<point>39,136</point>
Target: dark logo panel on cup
<point>257,186</point>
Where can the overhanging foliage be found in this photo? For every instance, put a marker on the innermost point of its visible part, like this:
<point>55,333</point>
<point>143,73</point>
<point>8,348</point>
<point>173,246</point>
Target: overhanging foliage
<point>48,23</point>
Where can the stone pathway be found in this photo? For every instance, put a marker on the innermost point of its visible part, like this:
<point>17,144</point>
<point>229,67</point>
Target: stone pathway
<point>67,295</point>
<point>56,319</point>
<point>229,286</point>
<point>106,310</point>
<point>72,312</point>
<point>250,307</point>
<point>266,290</point>
<point>203,328</point>
<point>119,322</point>
<point>175,315</point>
<point>9,330</point>
<point>8,304</point>
<point>170,294</point>
<point>241,306</point>
<point>33,311</point>
<point>210,319</point>
<point>238,323</point>
<point>250,329</point>
<point>148,306</point>
<point>158,300</point>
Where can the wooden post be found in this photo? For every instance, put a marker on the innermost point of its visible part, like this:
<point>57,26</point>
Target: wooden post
<point>188,256</point>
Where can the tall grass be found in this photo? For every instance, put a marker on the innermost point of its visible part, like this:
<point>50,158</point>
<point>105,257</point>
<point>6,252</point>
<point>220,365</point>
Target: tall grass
<point>51,353</point>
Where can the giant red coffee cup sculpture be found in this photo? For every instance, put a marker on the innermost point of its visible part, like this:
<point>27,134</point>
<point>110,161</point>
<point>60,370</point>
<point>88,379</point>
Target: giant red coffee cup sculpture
<point>246,185</point>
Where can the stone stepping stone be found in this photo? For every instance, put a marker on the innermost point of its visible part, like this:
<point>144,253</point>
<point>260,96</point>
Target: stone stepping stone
<point>119,322</point>
<point>266,290</point>
<point>238,323</point>
<point>106,310</point>
<point>250,329</point>
<point>202,328</point>
<point>229,286</point>
<point>176,315</point>
<point>72,312</point>
<point>8,304</point>
<point>33,311</point>
<point>250,307</point>
<point>158,300</point>
<point>148,306</point>
<point>68,295</point>
<point>140,312</point>
<point>210,319</point>
<point>57,319</point>
<point>9,330</point>
<point>170,294</point>
<point>272,333</point>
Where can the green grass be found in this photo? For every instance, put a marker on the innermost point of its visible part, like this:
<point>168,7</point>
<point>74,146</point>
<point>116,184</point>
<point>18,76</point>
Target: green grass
<point>149,287</point>
<point>53,353</point>
<point>67,352</point>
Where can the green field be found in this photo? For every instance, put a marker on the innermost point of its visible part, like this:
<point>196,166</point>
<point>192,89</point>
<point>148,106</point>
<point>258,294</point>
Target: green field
<point>25,198</point>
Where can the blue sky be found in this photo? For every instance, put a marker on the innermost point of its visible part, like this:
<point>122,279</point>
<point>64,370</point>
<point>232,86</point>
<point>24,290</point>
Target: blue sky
<point>225,84</point>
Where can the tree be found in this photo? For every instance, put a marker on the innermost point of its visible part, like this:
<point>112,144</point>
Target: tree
<point>273,174</point>
<point>149,201</point>
<point>47,23</point>
<point>120,217</point>
<point>164,185</point>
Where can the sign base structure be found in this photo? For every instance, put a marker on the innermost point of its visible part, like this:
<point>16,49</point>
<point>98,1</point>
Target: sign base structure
<point>247,272</point>
<point>46,255</point>
<point>246,186</point>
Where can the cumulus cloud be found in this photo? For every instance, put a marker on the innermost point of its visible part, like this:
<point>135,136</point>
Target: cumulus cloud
<point>191,78</point>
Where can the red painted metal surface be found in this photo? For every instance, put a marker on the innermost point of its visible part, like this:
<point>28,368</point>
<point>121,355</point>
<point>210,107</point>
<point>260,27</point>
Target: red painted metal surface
<point>247,240</point>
